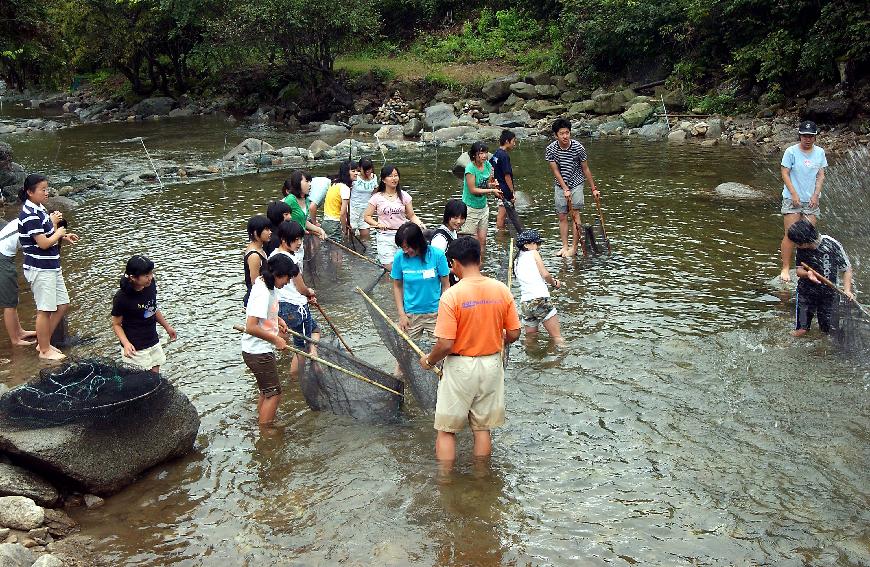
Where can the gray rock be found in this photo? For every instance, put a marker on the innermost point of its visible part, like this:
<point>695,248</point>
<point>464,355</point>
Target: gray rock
<point>20,513</point>
<point>714,128</point>
<point>331,129</point>
<point>732,190</point>
<point>40,535</point>
<point>4,533</point>
<point>182,112</point>
<point>547,91</point>
<point>15,481</point>
<point>412,127</point>
<point>249,146</point>
<point>524,90</point>
<point>510,119</point>
<point>454,132</point>
<point>391,132</point>
<point>48,560</point>
<point>582,107</point>
<point>612,126</point>
<point>460,164</point>
<point>710,143</point>
<point>572,79</point>
<point>7,128</point>
<point>677,136</point>
<point>674,100</point>
<point>15,555</point>
<point>317,148</point>
<point>657,130</point>
<point>611,103</point>
<point>439,116</point>
<point>446,95</point>
<point>61,203</point>
<point>637,114</point>
<point>103,456</point>
<point>490,107</point>
<point>539,78</point>
<point>498,89</point>
<point>154,106</point>
<point>543,108</point>
<point>288,151</point>
<point>90,112</point>
<point>573,96</point>
<point>93,501</point>
<point>829,110</point>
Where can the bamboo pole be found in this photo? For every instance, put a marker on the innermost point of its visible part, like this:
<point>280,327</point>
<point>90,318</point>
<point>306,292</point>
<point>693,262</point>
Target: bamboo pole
<point>396,328</point>
<point>510,265</point>
<point>577,226</point>
<point>832,285</point>
<point>332,326</point>
<point>355,253</point>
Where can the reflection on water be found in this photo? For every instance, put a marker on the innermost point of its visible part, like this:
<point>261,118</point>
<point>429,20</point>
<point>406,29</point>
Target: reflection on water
<point>684,426</point>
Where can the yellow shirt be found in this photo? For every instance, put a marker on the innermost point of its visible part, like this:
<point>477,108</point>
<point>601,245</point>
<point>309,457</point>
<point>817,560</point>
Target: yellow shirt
<point>332,203</point>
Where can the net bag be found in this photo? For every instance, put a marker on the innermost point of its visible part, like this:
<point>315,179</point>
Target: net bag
<point>850,328</point>
<point>83,390</point>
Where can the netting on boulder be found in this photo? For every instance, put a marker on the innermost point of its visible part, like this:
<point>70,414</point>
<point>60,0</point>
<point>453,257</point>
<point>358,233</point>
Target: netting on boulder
<point>88,389</point>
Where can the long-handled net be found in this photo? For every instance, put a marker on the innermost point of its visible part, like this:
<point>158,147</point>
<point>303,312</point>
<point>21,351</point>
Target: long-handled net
<point>850,328</point>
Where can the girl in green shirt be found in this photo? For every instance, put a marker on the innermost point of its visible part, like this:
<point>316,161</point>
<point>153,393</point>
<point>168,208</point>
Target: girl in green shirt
<point>477,184</point>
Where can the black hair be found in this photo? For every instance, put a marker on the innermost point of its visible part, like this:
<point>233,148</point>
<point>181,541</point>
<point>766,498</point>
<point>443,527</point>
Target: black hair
<point>30,183</point>
<point>455,208</point>
<point>289,231</point>
<point>344,172</point>
<point>256,225</point>
<point>412,235</point>
<point>275,212</point>
<point>386,171</point>
<point>803,232</point>
<point>277,266</point>
<point>137,265</point>
<point>506,136</point>
<point>366,164</point>
<point>465,250</point>
<point>560,123</point>
<point>293,184</point>
<point>476,148</point>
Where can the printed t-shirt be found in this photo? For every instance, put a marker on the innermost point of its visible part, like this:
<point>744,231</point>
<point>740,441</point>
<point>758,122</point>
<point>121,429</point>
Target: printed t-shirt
<point>34,220</point>
<point>480,179</point>
<point>332,204</point>
<point>390,212</point>
<point>9,239</point>
<point>296,212</point>
<point>262,304</point>
<point>362,191</point>
<point>568,161</point>
<point>319,187</point>
<point>290,293</point>
<point>501,166</point>
<point>532,284</point>
<point>421,279</point>
<point>829,259</point>
<point>473,313</point>
<point>802,170</point>
<point>137,310</point>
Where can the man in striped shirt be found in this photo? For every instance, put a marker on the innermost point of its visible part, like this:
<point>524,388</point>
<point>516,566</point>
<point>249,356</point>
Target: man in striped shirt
<point>569,164</point>
<point>40,235</point>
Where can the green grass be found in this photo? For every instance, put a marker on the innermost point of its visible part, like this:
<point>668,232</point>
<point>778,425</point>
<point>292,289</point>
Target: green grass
<point>410,68</point>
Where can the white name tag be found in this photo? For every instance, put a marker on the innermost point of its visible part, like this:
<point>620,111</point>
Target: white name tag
<point>430,273</point>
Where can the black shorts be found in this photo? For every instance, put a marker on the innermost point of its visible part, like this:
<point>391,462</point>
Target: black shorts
<point>809,306</point>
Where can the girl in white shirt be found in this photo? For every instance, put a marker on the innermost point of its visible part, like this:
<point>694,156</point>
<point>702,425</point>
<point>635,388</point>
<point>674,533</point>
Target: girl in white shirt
<point>533,277</point>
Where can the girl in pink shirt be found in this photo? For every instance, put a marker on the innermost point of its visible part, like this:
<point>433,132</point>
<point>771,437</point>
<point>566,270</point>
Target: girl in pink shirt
<point>393,209</point>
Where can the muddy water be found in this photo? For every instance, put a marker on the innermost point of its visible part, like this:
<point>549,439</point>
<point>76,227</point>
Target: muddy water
<point>684,426</point>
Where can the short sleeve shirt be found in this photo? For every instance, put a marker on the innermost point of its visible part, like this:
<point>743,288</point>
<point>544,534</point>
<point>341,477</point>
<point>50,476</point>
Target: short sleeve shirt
<point>803,169</point>
<point>332,205</point>
<point>362,191</point>
<point>568,161</point>
<point>263,304</point>
<point>481,176</point>
<point>474,313</point>
<point>421,279</point>
<point>390,212</point>
<point>501,166</point>
<point>9,239</point>
<point>137,310</point>
<point>299,215</point>
<point>828,259</point>
<point>34,220</point>
<point>319,187</point>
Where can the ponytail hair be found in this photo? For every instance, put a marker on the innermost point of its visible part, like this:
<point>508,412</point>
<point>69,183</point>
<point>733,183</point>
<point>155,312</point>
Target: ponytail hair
<point>277,266</point>
<point>30,183</point>
<point>137,265</point>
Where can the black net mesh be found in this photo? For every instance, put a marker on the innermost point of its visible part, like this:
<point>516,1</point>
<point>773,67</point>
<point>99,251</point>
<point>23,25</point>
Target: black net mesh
<point>334,270</point>
<point>83,390</point>
<point>850,328</point>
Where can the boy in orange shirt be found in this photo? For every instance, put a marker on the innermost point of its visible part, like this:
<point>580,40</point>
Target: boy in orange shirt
<point>476,318</point>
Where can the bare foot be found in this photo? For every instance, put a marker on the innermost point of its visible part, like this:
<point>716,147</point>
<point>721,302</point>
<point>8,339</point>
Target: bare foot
<point>784,275</point>
<point>22,334</point>
<point>799,333</point>
<point>572,251</point>
<point>52,348</point>
<point>51,355</point>
<point>559,342</point>
<point>22,342</point>
<point>562,251</point>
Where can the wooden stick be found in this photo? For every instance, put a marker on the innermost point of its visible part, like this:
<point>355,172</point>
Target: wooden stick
<point>331,326</point>
<point>576,225</point>
<point>510,265</point>
<point>601,218</point>
<point>355,253</point>
<point>319,360</point>
<point>396,328</point>
<point>831,284</point>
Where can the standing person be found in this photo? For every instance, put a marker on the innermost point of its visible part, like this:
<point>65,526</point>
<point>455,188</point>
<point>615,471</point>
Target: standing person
<point>533,278</point>
<point>504,172</point>
<point>803,172</point>
<point>827,257</point>
<point>476,318</point>
<point>419,275</point>
<point>296,194</point>
<point>336,207</point>
<point>261,337</point>
<point>569,164</point>
<point>393,207</point>
<point>455,213</point>
<point>319,187</point>
<point>135,315</point>
<point>9,286</point>
<point>40,235</point>
<point>259,235</point>
<point>361,192</point>
<point>477,183</point>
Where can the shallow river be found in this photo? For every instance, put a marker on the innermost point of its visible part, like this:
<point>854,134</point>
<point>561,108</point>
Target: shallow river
<point>684,426</point>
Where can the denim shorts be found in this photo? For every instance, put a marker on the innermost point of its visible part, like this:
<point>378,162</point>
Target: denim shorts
<point>299,319</point>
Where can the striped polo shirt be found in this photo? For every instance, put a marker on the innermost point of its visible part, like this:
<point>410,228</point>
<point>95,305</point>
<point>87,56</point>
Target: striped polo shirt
<point>34,220</point>
<point>568,161</point>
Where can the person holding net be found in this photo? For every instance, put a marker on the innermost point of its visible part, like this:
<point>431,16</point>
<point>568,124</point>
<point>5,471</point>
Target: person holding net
<point>477,183</point>
<point>504,174</point>
<point>533,278</point>
<point>393,209</point>
<point>419,275</point>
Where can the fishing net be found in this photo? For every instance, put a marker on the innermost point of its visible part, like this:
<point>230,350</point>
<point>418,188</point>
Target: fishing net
<point>850,328</point>
<point>335,269</point>
<point>84,390</point>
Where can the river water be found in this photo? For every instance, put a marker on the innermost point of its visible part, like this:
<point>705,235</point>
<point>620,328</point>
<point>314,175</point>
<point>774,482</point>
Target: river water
<point>684,426</point>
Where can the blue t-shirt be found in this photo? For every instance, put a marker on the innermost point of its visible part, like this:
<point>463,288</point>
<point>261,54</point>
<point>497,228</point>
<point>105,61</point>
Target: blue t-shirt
<point>317,193</point>
<point>501,166</point>
<point>421,279</point>
<point>803,169</point>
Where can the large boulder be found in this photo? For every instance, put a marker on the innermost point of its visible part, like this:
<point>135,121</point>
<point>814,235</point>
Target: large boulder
<point>829,110</point>
<point>103,455</point>
<point>539,78</point>
<point>331,129</point>
<point>543,108</point>
<point>439,116</point>
<point>654,131</point>
<point>453,133</point>
<point>524,90</point>
<point>547,91</point>
<point>154,106</point>
<point>15,481</point>
<point>412,127</point>
<point>249,146</point>
<point>637,114</point>
<point>677,136</point>
<point>460,164</point>
<point>732,190</point>
<point>15,555</point>
<point>20,513</point>
<point>11,175</point>
<point>510,119</point>
<point>611,103</point>
<point>498,89</point>
<point>390,132</point>
<point>579,108</point>
<point>318,148</point>
<point>714,128</point>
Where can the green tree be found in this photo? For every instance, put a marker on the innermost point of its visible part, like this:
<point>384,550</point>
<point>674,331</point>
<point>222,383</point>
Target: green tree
<point>31,50</point>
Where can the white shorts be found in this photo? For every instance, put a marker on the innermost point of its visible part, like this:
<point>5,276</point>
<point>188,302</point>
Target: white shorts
<point>49,289</point>
<point>146,359</point>
<point>387,246</point>
<point>356,218</point>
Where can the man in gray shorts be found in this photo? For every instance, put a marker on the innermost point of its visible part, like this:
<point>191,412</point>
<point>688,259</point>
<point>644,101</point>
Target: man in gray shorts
<point>570,165</point>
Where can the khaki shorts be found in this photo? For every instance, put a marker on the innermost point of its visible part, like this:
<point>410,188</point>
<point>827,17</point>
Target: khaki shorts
<point>477,221</point>
<point>788,208</point>
<point>471,391</point>
<point>420,322</point>
<point>265,369</point>
<point>147,358</point>
<point>48,287</point>
<point>577,199</point>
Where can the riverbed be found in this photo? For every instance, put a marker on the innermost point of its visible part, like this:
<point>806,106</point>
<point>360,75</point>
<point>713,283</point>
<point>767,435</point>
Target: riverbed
<point>683,425</point>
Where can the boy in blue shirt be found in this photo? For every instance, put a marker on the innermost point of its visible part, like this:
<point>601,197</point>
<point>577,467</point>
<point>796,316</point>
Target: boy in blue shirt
<point>504,173</point>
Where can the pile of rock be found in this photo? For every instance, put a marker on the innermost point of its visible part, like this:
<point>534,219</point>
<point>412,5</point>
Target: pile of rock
<point>33,536</point>
<point>395,111</point>
<point>29,125</point>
